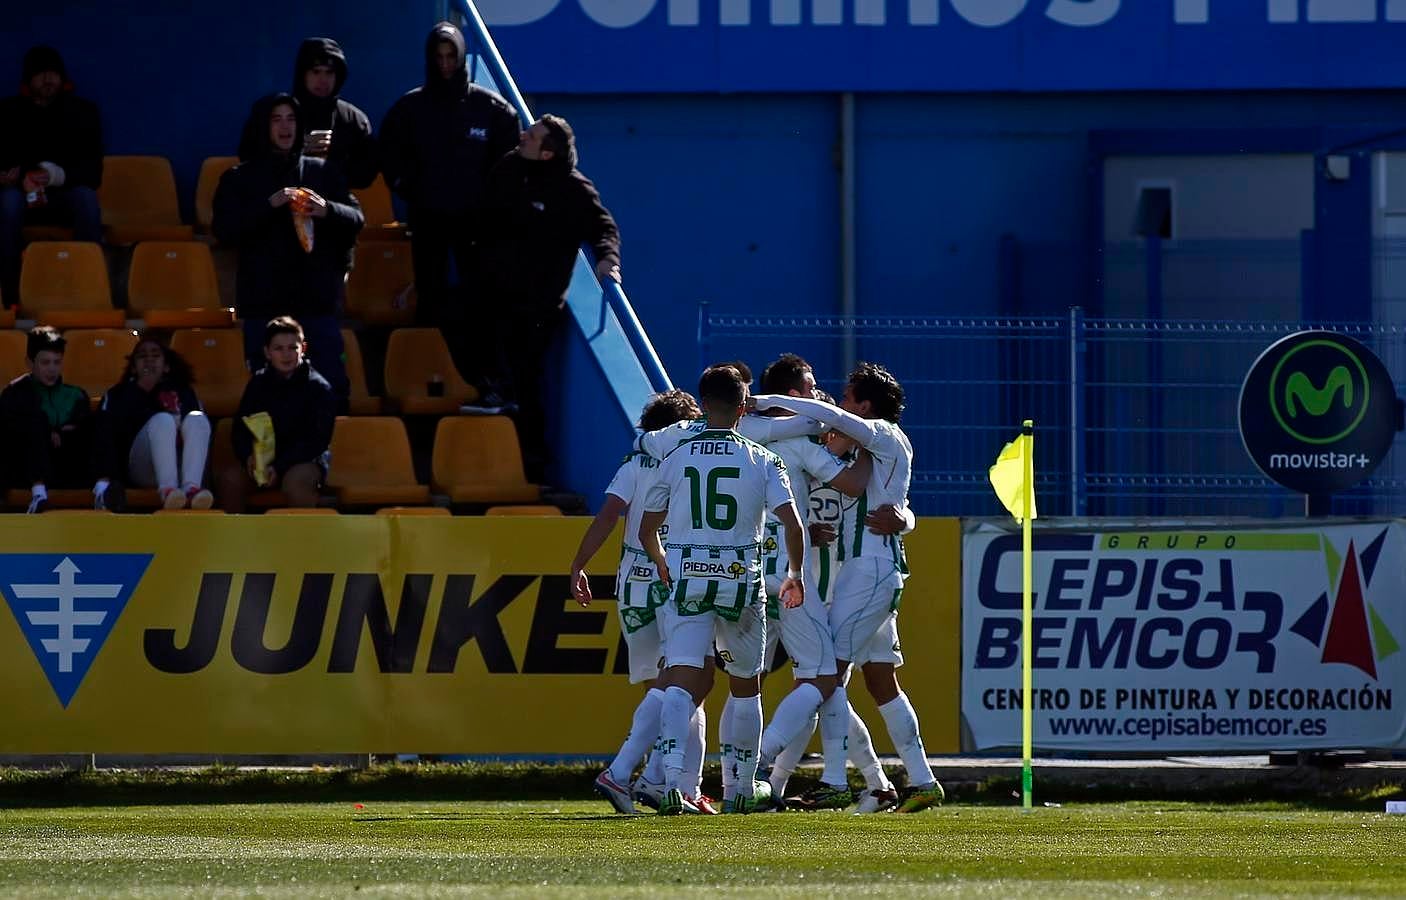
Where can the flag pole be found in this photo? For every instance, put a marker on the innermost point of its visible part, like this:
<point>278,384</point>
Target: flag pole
<point>1027,778</point>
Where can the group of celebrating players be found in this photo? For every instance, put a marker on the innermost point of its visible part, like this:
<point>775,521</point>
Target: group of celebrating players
<point>751,521</point>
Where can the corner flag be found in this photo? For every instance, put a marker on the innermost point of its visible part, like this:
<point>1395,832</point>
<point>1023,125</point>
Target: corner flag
<point>1013,477</point>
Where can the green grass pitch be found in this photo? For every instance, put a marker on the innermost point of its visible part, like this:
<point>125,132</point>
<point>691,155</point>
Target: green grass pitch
<point>578,849</point>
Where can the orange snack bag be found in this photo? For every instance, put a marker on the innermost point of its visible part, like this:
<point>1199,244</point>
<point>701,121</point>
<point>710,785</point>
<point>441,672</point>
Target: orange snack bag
<point>302,223</point>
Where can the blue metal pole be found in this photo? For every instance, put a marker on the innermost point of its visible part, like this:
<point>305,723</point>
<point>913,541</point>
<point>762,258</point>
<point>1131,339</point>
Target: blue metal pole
<point>1078,501</point>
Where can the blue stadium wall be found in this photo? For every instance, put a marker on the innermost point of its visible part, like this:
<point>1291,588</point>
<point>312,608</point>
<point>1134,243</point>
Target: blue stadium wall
<point>718,150</point>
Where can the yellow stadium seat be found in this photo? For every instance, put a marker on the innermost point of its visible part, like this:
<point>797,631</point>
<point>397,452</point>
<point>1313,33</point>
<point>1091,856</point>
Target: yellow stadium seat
<point>417,358</point>
<point>361,402</point>
<point>477,460</point>
<point>535,509</point>
<point>381,287</point>
<point>371,463</point>
<point>376,208</point>
<point>172,284</point>
<point>138,200</point>
<point>96,358</point>
<point>64,284</point>
<point>32,233</point>
<point>13,362</point>
<point>413,511</point>
<point>7,317</point>
<point>210,171</point>
<point>222,456</point>
<point>217,356</point>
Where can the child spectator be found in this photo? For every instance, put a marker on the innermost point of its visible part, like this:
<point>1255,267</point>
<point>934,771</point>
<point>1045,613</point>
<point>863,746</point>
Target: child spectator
<point>152,431</point>
<point>46,424</point>
<point>301,406</point>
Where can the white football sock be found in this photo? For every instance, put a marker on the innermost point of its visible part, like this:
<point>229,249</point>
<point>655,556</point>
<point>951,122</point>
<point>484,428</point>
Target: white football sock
<point>834,734</point>
<point>746,740</point>
<point>725,731</point>
<point>673,733</point>
<point>644,731</point>
<point>790,718</point>
<point>787,760</point>
<point>861,753</point>
<point>654,765</point>
<point>902,723</point>
<point>693,753</point>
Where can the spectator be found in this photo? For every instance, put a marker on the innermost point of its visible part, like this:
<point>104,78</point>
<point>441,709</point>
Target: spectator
<point>539,210</point>
<point>334,129</point>
<point>261,206</point>
<point>51,161</point>
<point>48,440</point>
<point>438,143</point>
<point>300,403</point>
<point>148,421</point>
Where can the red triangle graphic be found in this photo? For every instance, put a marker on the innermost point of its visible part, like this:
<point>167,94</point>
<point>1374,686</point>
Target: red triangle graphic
<point>1348,640</point>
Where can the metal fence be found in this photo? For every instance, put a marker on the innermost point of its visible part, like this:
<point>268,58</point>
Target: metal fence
<point>1133,417</point>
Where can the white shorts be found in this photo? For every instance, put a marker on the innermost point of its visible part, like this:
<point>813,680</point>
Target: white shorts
<point>773,635</point>
<point>638,621</point>
<point>805,632</point>
<point>883,647</point>
<point>867,590</point>
<point>689,640</point>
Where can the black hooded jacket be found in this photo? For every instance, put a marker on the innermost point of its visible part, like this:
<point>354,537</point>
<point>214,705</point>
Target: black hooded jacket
<point>276,276</point>
<point>439,141</point>
<point>303,410</point>
<point>536,215</point>
<point>353,145</point>
<point>67,132</point>
<point>125,410</point>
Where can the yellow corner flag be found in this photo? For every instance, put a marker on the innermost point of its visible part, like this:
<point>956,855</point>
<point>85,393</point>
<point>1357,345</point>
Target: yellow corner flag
<point>1008,474</point>
<point>1013,477</point>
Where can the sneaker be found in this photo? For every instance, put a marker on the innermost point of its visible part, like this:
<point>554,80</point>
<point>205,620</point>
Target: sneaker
<point>648,793</point>
<point>671,804</point>
<point>616,795</point>
<point>489,403</point>
<point>702,805</point>
<point>824,797</point>
<point>199,498</point>
<point>37,504</point>
<point>877,801</point>
<point>172,498</point>
<point>920,798</point>
<point>760,801</point>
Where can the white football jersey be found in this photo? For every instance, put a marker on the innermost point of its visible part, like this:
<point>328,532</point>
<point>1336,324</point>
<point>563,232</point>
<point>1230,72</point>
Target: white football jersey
<point>718,487</point>
<point>762,429</point>
<point>807,462</point>
<point>632,481</point>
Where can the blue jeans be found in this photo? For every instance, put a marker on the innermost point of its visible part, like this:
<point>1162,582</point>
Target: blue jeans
<point>75,207</point>
<point>325,351</point>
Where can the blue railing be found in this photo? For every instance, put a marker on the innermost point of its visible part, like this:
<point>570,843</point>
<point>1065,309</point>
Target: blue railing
<point>1133,417</point>
<point>488,69</point>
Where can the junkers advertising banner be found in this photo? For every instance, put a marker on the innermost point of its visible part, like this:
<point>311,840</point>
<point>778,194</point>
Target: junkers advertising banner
<point>1216,638</point>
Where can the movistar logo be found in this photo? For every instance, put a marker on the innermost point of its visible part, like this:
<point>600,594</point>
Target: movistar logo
<point>1319,392</point>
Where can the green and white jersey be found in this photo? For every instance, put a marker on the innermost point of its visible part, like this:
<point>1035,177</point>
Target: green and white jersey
<point>826,508</point>
<point>632,481</point>
<point>807,462</point>
<point>893,470</point>
<point>761,429</point>
<point>718,487</point>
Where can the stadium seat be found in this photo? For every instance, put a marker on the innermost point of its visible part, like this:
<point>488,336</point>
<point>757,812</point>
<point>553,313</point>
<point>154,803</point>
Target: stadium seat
<point>96,358</point>
<point>172,284</point>
<point>381,287</point>
<point>413,511</point>
<point>8,317</point>
<point>64,284</point>
<point>362,403</point>
<point>13,362</point>
<point>371,464</point>
<point>534,509</point>
<point>376,208</point>
<point>415,359</point>
<point>477,460</point>
<point>222,456</point>
<point>81,499</point>
<point>301,511</point>
<point>210,171</point>
<point>217,356</point>
<point>138,200</point>
<point>31,233</point>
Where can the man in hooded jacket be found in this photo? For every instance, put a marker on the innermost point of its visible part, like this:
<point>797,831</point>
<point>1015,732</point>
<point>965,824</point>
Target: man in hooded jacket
<point>540,209</point>
<point>319,74</point>
<point>257,209</point>
<point>438,143</point>
<point>51,161</point>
